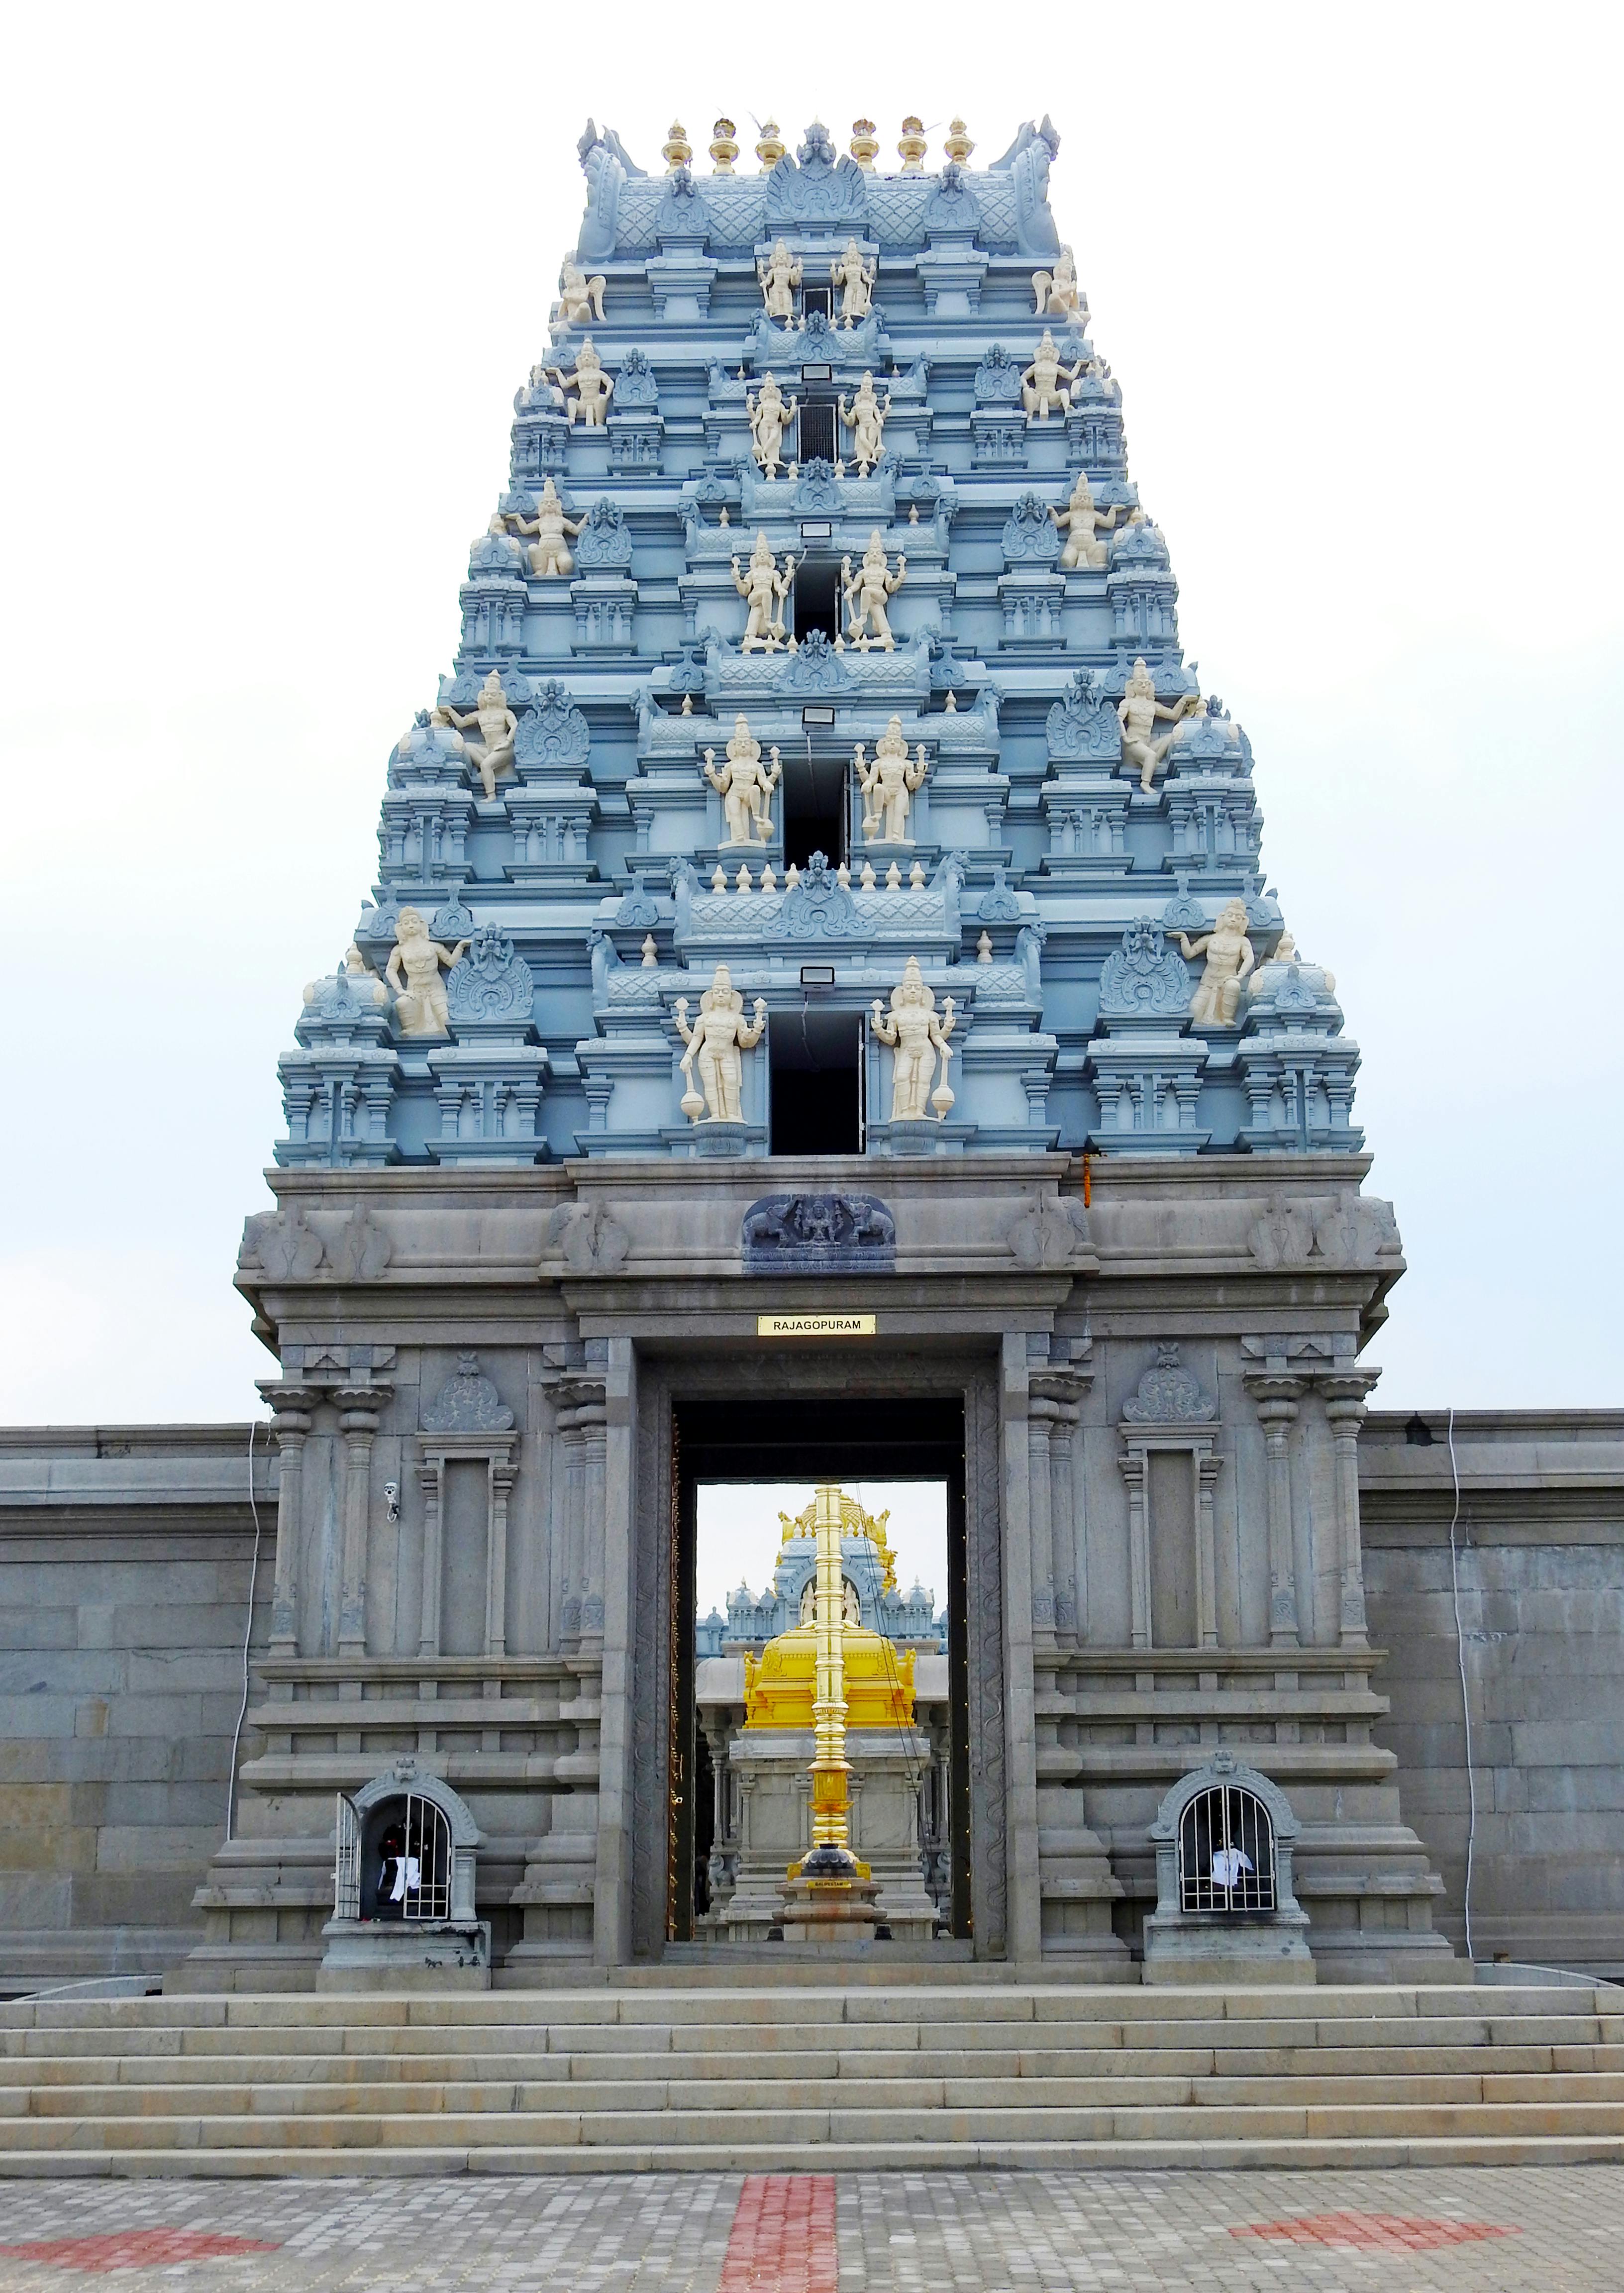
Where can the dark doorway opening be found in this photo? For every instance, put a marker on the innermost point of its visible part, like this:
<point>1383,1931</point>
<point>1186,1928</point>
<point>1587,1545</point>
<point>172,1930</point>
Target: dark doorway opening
<point>847,1439</point>
<point>818,298</point>
<point>814,809</point>
<point>817,431</point>
<point>815,1065</point>
<point>817,597</point>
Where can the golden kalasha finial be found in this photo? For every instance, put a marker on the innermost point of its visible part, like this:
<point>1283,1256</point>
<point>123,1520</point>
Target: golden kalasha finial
<point>723,149</point>
<point>958,146</point>
<point>864,145</point>
<point>913,146</point>
<point>676,150</point>
<point>769,150</point>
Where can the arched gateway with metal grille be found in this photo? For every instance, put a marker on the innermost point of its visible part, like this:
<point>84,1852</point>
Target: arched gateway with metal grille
<point>1224,1908</point>
<point>1225,1852</point>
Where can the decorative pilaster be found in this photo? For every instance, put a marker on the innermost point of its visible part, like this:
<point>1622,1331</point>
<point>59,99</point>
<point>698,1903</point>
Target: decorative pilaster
<point>360,1407</point>
<point>1344,1410</point>
<point>291,1423</point>
<point>1039,1421</point>
<point>1277,1399</point>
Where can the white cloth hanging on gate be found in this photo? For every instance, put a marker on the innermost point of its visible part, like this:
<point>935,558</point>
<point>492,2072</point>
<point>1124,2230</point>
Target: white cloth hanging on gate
<point>1228,1864</point>
<point>409,1878</point>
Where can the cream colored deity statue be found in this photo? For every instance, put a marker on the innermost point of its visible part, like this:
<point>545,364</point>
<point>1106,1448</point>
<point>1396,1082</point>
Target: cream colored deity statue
<point>780,274</point>
<point>865,417</point>
<point>913,1029</point>
<point>493,751</point>
<point>769,418</point>
<point>1137,713</point>
<point>579,299</point>
<point>591,386</point>
<point>1047,382</point>
<point>889,785</point>
<point>1054,293</point>
<point>549,552</point>
<point>867,592</point>
<point>855,279</point>
<point>1216,1001</point>
<point>764,589</point>
<point>745,789</point>
<point>421,1007</point>
<point>1080,521</point>
<point>715,1041</point>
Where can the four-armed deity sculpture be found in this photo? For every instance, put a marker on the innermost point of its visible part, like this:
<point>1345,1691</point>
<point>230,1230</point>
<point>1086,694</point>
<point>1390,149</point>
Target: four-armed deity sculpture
<point>579,299</point>
<point>865,417</point>
<point>889,785</point>
<point>493,751</point>
<point>1047,382</point>
<point>420,1007</point>
<point>745,789</point>
<point>714,1043</point>
<point>1137,712</point>
<point>769,418</point>
<point>867,592</point>
<point>764,589</point>
<point>855,279</point>
<point>1216,1001</point>
<point>591,386</point>
<point>1080,521</point>
<point>913,1029</point>
<point>780,274</point>
<point>549,553</point>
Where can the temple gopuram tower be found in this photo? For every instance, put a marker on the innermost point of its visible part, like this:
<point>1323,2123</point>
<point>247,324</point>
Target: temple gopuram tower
<point>819,1014</point>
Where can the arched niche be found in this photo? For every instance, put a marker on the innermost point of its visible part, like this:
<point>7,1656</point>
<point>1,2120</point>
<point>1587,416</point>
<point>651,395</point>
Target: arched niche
<point>1225,1909</point>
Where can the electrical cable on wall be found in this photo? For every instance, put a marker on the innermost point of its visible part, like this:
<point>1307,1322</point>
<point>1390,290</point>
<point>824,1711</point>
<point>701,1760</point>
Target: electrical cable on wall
<point>242,1709</point>
<point>1465,1701</point>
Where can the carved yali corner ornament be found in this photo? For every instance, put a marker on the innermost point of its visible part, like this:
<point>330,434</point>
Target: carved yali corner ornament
<point>1168,1395</point>
<point>360,1249</point>
<point>1052,1233</point>
<point>282,1244</point>
<point>588,1237</point>
<point>467,1403</point>
<point>819,1234</point>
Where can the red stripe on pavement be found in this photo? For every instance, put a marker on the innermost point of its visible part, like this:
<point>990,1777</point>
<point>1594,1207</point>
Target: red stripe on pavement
<point>782,2239</point>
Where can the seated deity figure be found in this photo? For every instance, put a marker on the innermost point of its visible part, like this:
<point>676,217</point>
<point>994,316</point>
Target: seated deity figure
<point>764,589</point>
<point>1054,293</point>
<point>421,1007</point>
<point>889,786</point>
<point>1216,1001</point>
<point>1137,712</point>
<point>866,593</point>
<point>580,298</point>
<point>780,274</point>
<point>493,751</point>
<point>550,556</point>
<point>769,418</point>
<point>865,417</point>
<point>715,1041</point>
<point>745,789</point>
<point>855,279</point>
<point>1043,384</point>
<point>592,386</point>
<point>1084,521</point>
<point>913,1029</point>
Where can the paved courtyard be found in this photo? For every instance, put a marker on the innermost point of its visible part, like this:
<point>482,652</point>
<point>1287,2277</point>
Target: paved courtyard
<point>1556,2230</point>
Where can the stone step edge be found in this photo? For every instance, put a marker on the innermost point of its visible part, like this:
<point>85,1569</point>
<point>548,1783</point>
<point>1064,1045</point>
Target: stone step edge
<point>1352,2152</point>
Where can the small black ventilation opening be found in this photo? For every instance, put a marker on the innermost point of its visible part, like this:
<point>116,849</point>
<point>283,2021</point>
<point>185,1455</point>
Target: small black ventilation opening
<point>817,432</point>
<point>1418,1434</point>
<point>817,597</point>
<point>818,298</point>
<point>814,1060</point>
<point>814,809</point>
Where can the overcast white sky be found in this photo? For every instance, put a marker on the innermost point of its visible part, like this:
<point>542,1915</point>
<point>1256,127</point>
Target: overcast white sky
<point>273,276</point>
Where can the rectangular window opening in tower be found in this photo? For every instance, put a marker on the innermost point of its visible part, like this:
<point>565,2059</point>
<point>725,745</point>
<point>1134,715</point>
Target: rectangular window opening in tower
<point>817,431</point>
<point>817,597</point>
<point>815,1058</point>
<point>815,808</point>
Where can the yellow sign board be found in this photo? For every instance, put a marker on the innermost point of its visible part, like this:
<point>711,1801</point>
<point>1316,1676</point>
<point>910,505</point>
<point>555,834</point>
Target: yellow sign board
<point>814,1325</point>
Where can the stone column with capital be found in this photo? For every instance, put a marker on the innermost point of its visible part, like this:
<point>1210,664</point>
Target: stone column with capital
<point>1276,1400</point>
<point>1345,1409</point>
<point>293,1405</point>
<point>360,1407</point>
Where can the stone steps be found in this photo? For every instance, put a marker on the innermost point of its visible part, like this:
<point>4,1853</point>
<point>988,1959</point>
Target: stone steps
<point>633,2080</point>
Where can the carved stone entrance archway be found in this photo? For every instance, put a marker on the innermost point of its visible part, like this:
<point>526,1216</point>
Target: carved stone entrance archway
<point>667,1389</point>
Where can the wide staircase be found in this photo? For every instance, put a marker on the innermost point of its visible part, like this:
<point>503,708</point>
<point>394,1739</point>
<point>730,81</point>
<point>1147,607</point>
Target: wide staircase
<point>952,2073</point>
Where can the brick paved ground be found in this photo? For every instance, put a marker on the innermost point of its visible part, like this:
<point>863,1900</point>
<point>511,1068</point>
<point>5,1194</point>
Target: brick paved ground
<point>1379,2232</point>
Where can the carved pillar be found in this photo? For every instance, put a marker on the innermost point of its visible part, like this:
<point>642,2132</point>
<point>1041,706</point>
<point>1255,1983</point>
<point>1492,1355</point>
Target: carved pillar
<point>1276,1398</point>
<point>593,1417</point>
<point>1041,1419</point>
<point>1344,1410</point>
<point>429,1473</point>
<point>501,1478</point>
<point>293,1405</point>
<point>1138,1551</point>
<point>1069,1590</point>
<point>1206,1555</point>
<point>571,1449</point>
<point>360,1407</point>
